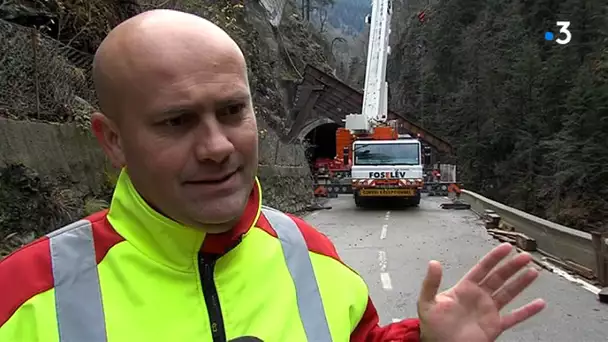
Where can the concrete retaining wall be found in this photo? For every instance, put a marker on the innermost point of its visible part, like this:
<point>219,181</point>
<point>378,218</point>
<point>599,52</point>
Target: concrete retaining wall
<point>53,150</point>
<point>283,172</point>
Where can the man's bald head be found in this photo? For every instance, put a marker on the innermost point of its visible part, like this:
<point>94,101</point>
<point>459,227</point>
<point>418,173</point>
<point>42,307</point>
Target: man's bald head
<point>177,114</point>
<point>151,37</point>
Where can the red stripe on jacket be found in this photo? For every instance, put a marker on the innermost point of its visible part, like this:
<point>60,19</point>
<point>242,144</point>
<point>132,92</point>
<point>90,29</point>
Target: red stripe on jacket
<point>27,271</point>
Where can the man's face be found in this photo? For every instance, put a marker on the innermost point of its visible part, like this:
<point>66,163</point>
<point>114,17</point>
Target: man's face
<point>189,137</point>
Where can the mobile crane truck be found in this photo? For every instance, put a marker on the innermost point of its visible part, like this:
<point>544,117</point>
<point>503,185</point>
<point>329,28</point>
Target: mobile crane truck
<point>372,159</point>
<point>383,164</point>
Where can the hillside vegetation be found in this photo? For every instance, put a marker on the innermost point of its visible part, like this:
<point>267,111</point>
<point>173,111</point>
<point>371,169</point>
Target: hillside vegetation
<point>529,117</point>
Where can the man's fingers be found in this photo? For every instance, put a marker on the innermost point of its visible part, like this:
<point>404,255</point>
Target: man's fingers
<point>512,289</point>
<point>523,313</point>
<point>488,262</point>
<point>431,283</point>
<point>497,278</point>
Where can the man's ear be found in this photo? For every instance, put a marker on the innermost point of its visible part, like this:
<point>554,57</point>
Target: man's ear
<point>108,137</point>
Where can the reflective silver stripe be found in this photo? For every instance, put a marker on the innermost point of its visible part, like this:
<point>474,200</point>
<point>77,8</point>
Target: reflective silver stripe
<point>310,304</point>
<point>77,292</point>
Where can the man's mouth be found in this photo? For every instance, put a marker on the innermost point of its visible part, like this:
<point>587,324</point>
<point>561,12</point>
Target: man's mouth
<point>213,179</point>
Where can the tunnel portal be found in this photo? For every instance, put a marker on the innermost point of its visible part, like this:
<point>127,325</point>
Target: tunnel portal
<point>322,142</point>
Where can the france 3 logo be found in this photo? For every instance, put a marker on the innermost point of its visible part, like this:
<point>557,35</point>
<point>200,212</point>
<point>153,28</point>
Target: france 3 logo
<point>564,35</point>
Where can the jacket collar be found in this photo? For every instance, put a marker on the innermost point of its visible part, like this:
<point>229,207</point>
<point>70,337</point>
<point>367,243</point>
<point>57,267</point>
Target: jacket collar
<point>169,242</point>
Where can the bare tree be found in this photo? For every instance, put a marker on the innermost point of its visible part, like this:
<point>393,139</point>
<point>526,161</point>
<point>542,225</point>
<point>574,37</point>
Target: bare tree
<point>320,6</point>
<point>322,18</point>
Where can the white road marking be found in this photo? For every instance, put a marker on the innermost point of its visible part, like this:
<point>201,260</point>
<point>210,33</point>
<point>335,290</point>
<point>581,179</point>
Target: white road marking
<point>395,320</point>
<point>384,231</point>
<point>386,281</point>
<point>384,277</point>
<point>382,260</point>
<point>589,287</point>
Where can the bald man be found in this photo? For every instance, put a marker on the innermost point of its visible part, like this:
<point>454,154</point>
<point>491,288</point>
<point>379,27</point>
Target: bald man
<point>186,251</point>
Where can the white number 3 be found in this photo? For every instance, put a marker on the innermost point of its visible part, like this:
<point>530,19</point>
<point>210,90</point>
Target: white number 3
<point>564,29</point>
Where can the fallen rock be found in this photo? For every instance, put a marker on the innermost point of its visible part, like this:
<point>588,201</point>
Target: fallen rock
<point>457,205</point>
<point>316,206</point>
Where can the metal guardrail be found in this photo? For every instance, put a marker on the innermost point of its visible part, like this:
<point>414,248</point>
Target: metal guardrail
<point>553,239</point>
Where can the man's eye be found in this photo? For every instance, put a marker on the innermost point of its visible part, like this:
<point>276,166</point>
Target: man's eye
<point>233,109</point>
<point>177,121</point>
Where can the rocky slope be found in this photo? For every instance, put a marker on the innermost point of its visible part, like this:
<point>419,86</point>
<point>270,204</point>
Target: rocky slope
<point>343,26</point>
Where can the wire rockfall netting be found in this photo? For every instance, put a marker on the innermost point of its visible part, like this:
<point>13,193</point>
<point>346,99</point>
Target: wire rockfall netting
<point>41,78</point>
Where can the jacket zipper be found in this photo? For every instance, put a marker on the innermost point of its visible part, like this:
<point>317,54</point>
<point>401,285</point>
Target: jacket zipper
<point>206,264</point>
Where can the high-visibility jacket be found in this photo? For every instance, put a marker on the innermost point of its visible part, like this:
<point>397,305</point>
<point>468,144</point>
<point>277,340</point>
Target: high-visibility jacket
<point>130,274</point>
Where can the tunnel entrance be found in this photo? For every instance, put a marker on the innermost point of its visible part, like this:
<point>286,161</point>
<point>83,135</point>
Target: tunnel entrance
<point>322,143</point>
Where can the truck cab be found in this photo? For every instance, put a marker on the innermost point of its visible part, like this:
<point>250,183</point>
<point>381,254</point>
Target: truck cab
<point>387,169</point>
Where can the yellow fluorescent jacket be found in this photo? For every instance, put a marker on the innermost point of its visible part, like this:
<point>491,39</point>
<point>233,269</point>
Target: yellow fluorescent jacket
<point>130,274</point>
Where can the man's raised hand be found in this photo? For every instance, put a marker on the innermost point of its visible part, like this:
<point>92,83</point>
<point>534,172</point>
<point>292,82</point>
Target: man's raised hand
<point>470,311</point>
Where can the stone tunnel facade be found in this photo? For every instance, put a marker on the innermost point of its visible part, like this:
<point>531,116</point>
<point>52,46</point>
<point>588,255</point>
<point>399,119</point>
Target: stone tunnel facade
<point>321,99</point>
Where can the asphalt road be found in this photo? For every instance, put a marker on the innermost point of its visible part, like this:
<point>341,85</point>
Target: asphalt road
<point>390,248</point>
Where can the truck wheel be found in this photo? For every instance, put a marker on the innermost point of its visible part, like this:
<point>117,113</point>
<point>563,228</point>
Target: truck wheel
<point>359,201</point>
<point>416,200</point>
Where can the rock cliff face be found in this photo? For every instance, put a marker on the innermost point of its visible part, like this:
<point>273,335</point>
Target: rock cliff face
<point>49,187</point>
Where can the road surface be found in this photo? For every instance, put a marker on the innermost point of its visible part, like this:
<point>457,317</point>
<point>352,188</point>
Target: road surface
<point>391,248</point>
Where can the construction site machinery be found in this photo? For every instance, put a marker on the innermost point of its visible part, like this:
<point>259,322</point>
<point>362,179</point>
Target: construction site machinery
<point>372,159</point>
<point>382,164</point>
<point>387,168</point>
<point>440,179</point>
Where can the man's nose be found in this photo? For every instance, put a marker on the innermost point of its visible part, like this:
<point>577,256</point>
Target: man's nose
<point>212,143</point>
